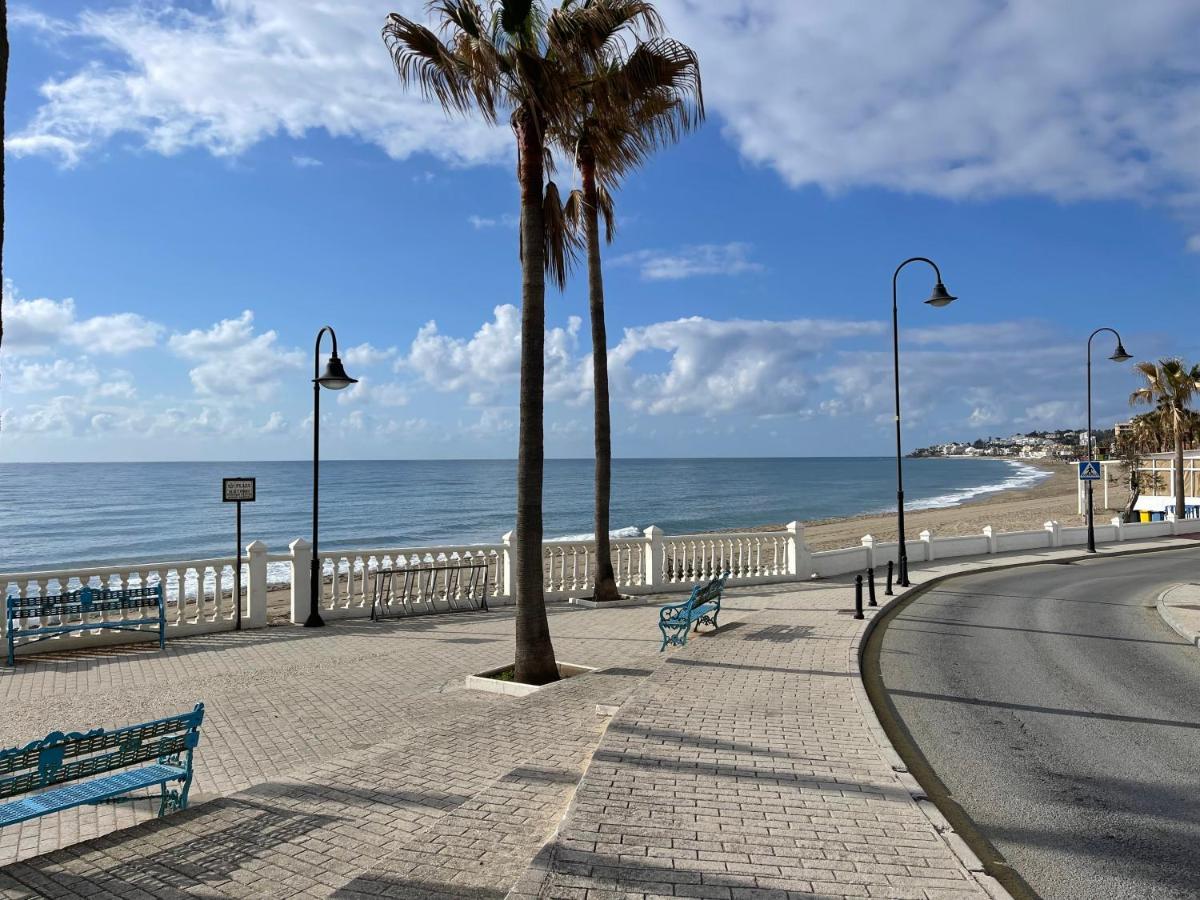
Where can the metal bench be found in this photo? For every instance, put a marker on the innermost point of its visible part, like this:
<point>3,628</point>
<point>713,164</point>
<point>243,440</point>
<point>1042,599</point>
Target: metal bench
<point>43,769</point>
<point>410,590</point>
<point>84,610</point>
<point>702,607</point>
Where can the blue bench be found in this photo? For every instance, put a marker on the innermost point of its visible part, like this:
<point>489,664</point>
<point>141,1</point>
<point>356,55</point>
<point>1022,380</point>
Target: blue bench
<point>86,609</point>
<point>702,607</point>
<point>43,768</point>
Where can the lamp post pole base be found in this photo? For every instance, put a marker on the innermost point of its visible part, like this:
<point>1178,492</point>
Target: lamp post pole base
<point>314,621</point>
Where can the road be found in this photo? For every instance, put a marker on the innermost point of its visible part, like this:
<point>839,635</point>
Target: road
<point>1063,717</point>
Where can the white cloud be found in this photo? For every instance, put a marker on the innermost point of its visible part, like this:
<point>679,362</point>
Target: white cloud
<point>242,71</point>
<point>689,262</point>
<point>489,362</point>
<point>233,362</point>
<point>275,424</point>
<point>42,325</point>
<point>367,392</point>
<point>1193,243</point>
<point>32,377</point>
<point>756,368</point>
<point>507,220</point>
<point>306,162</point>
<point>983,99</point>
<point>365,355</point>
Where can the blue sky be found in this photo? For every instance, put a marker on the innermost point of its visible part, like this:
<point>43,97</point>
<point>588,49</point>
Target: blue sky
<point>194,189</point>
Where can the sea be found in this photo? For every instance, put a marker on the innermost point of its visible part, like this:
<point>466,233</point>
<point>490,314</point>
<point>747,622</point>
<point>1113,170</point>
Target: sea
<point>83,514</point>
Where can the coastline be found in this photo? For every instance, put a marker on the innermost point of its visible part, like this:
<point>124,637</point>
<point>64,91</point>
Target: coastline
<point>1019,508</point>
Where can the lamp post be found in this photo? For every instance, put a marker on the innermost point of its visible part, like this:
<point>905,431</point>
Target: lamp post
<point>334,378</point>
<point>939,297</point>
<point>1119,355</point>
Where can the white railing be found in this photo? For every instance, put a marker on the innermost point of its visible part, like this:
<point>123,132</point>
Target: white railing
<point>348,576</point>
<point>198,595</point>
<point>199,592</point>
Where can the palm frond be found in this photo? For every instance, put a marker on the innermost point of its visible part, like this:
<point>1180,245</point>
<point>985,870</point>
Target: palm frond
<point>421,59</point>
<point>562,242</point>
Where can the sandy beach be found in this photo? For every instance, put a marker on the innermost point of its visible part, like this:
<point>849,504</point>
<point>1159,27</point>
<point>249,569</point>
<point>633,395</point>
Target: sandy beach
<point>1018,509</point>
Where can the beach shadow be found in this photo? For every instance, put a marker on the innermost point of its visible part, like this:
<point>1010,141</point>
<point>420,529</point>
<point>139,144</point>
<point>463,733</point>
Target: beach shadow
<point>193,859</point>
<point>376,884</point>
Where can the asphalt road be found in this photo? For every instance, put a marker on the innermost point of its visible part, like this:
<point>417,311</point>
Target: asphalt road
<point>1063,716</point>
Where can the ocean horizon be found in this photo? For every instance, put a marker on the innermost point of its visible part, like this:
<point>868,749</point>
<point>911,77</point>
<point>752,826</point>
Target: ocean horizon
<point>84,514</point>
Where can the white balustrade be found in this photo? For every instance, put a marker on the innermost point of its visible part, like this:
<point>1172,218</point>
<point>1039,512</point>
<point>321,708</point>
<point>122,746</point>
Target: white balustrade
<point>198,597</point>
<point>199,593</point>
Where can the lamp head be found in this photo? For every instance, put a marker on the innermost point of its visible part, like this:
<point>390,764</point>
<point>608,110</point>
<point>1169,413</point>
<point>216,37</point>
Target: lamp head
<point>1120,355</point>
<point>334,377</point>
<point>940,296</point>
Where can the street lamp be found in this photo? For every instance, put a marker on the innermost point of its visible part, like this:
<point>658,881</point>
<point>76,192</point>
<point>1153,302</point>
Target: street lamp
<point>334,378</point>
<point>940,297</point>
<point>1119,355</point>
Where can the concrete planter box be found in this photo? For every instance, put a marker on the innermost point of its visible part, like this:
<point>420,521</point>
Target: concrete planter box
<point>484,681</point>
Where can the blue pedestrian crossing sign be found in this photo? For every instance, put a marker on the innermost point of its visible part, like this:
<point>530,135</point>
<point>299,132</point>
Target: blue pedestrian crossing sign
<point>1089,471</point>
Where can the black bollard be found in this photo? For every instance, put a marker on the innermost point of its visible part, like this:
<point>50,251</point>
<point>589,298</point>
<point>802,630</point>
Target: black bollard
<point>871,586</point>
<point>887,591</point>
<point>858,613</point>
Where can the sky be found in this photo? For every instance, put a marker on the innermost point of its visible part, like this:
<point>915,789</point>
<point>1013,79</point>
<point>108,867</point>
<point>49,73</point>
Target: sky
<point>194,189</point>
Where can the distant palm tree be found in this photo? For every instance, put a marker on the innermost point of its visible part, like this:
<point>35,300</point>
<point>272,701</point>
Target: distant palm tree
<point>1171,385</point>
<point>512,56</point>
<point>635,102</point>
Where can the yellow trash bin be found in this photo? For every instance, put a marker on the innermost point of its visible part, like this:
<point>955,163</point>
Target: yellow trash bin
<point>1144,515</point>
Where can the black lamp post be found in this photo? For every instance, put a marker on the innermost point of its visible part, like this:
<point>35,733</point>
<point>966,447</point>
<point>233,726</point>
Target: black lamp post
<point>335,378</point>
<point>1119,355</point>
<point>939,297</point>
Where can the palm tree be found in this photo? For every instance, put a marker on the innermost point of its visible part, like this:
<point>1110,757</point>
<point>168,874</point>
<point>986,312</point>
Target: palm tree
<point>1170,386</point>
<point>511,55</point>
<point>633,104</point>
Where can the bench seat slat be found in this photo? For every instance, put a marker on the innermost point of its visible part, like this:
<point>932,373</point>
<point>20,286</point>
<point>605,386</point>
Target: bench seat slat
<point>71,795</point>
<point>82,626</point>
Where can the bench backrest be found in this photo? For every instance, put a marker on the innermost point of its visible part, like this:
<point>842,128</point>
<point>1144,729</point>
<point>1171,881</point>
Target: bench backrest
<point>84,601</point>
<point>58,757</point>
<point>702,594</point>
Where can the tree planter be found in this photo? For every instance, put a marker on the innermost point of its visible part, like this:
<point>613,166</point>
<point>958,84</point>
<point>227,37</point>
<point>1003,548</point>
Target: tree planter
<point>589,603</point>
<point>487,681</point>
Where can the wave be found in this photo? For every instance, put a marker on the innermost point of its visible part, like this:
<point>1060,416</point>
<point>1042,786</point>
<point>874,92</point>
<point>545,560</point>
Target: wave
<point>631,531</point>
<point>1023,476</point>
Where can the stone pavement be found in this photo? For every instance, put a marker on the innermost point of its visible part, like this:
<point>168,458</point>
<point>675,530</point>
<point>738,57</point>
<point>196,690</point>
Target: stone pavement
<point>1180,608</point>
<point>349,763</point>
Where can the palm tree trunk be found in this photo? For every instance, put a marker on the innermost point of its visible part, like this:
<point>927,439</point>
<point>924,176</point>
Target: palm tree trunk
<point>1180,485</point>
<point>606,583</point>
<point>534,651</point>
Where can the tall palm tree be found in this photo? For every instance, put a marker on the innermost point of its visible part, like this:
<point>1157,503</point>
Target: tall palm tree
<point>634,103</point>
<point>513,56</point>
<point>1170,385</point>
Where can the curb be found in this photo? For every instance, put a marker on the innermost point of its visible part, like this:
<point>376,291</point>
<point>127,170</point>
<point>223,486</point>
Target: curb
<point>887,750</point>
<point>940,824</point>
<point>1168,615</point>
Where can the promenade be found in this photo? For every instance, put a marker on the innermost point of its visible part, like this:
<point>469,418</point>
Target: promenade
<point>350,762</point>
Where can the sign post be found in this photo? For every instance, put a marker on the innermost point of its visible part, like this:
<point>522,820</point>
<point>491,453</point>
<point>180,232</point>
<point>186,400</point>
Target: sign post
<point>239,491</point>
<point>1089,470</point>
